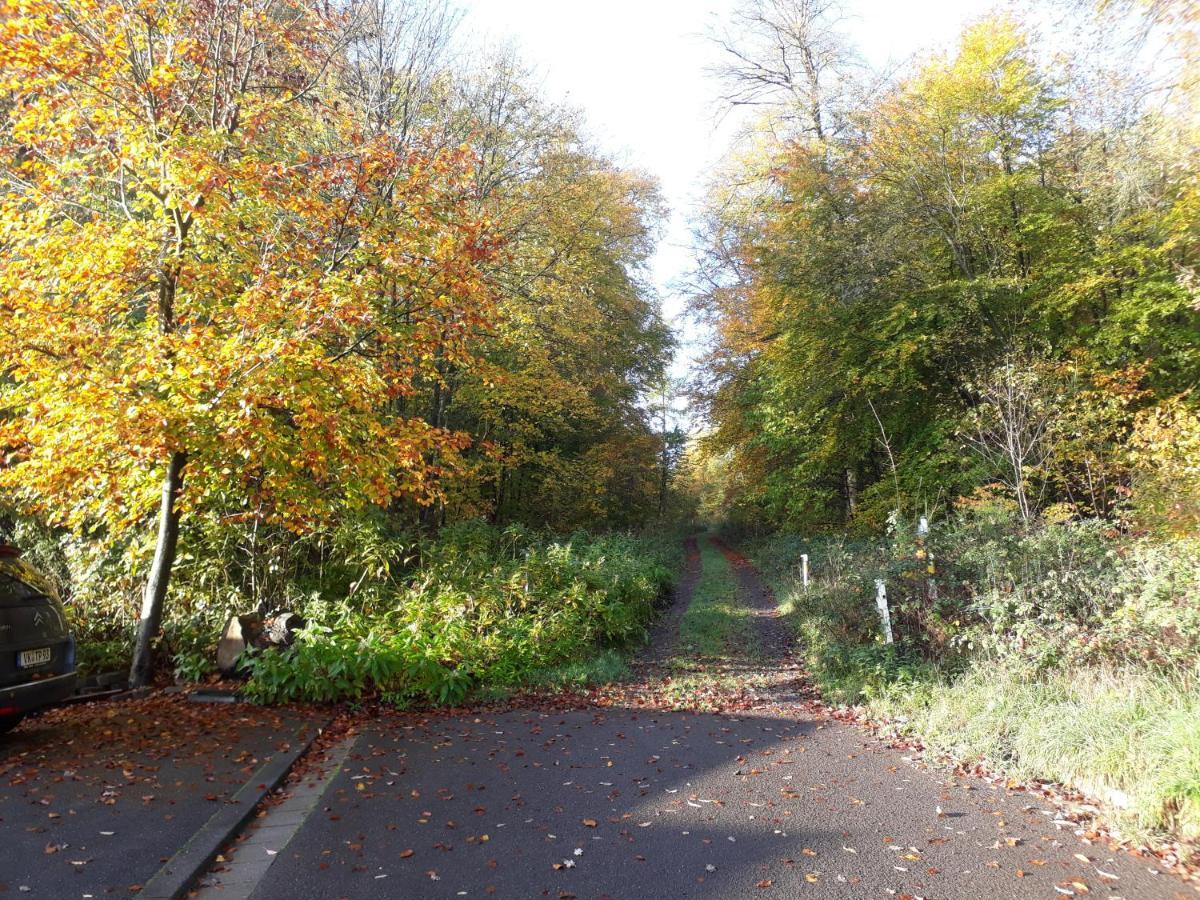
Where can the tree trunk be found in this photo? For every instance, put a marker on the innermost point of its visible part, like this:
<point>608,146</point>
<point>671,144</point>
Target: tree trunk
<point>160,571</point>
<point>851,493</point>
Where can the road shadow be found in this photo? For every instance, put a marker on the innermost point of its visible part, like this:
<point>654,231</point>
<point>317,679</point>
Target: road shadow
<point>618,802</point>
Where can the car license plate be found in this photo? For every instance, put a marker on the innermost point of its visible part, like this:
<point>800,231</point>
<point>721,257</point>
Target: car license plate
<point>28,658</point>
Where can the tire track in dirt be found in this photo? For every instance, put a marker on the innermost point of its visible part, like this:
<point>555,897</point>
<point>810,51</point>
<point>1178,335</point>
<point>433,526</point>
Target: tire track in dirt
<point>774,634</point>
<point>664,637</point>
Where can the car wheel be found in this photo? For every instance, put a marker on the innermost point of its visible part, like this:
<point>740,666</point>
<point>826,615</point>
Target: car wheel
<point>8,723</point>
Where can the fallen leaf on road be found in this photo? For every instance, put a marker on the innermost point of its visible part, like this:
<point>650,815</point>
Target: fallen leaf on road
<point>590,823</point>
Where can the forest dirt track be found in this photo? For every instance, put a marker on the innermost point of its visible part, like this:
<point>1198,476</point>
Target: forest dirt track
<point>664,636</point>
<point>636,793</point>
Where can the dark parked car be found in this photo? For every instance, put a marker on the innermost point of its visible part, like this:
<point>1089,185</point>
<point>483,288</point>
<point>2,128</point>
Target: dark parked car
<point>37,652</point>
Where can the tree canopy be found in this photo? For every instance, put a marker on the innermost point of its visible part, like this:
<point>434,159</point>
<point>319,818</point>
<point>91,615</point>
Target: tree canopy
<point>992,240</point>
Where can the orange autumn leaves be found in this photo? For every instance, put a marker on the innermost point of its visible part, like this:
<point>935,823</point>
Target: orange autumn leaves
<point>207,253</point>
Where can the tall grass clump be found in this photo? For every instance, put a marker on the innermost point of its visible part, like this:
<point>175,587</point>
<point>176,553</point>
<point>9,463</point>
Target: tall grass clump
<point>1128,736</point>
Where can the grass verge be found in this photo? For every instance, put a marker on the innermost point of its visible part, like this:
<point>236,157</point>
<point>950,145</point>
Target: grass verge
<point>1126,736</point>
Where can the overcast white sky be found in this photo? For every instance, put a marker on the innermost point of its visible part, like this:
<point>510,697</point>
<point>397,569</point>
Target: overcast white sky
<point>637,69</point>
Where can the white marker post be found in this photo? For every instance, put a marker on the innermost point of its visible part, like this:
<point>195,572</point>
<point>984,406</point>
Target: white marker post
<point>804,570</point>
<point>927,558</point>
<point>885,615</point>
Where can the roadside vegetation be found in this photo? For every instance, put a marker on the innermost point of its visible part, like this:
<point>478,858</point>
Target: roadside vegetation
<point>966,292</point>
<point>486,608</point>
<point>1065,654</point>
<point>475,609</point>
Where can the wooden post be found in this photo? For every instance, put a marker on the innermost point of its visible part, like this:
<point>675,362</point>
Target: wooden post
<point>881,603</point>
<point>926,557</point>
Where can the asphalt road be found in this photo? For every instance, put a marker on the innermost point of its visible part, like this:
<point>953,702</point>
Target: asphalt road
<point>94,799</point>
<point>624,801</point>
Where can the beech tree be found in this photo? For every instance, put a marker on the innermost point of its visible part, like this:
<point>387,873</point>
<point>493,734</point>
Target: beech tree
<point>218,280</point>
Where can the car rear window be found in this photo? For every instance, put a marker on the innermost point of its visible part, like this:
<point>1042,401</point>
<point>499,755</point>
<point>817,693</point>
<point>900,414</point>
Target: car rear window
<point>14,591</point>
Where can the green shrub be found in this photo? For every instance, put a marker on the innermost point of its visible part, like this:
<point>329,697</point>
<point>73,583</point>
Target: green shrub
<point>485,608</point>
<point>1060,593</point>
<point>388,615</point>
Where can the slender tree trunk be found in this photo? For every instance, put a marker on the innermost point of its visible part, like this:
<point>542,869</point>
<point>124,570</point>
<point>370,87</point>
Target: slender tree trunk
<point>160,571</point>
<point>664,477</point>
<point>851,493</point>
<point>498,509</point>
<point>178,226</point>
